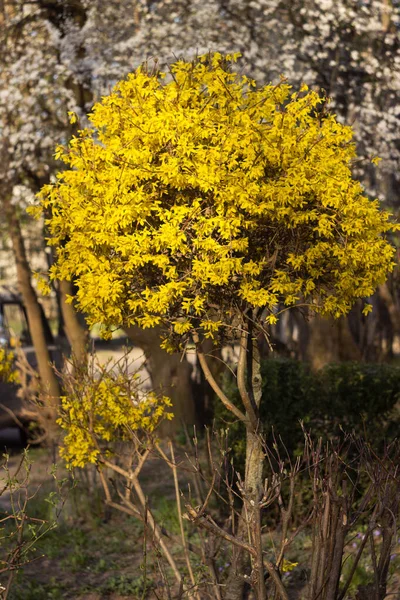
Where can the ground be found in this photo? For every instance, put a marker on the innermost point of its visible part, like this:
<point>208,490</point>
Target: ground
<point>93,553</point>
<point>98,554</point>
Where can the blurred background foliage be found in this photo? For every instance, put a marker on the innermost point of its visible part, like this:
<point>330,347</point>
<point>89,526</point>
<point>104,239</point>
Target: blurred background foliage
<point>359,398</point>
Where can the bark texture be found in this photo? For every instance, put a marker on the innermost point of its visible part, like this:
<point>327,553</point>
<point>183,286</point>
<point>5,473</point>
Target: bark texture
<point>49,382</point>
<point>330,341</point>
<point>170,375</point>
<point>250,521</point>
<point>77,336</point>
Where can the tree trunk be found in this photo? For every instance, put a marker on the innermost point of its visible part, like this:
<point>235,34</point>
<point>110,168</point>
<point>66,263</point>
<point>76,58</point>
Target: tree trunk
<point>250,521</point>
<point>76,334</point>
<point>49,382</point>
<point>387,298</point>
<point>170,375</point>
<point>254,471</point>
<point>330,341</point>
<point>204,395</point>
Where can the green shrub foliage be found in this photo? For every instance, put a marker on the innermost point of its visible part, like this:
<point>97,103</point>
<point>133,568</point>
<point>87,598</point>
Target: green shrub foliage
<point>347,397</point>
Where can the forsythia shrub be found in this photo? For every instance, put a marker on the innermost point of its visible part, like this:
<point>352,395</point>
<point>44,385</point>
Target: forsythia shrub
<point>193,198</point>
<point>97,412</point>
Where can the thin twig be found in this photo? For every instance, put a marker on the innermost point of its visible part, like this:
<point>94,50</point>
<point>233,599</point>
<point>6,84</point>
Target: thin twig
<point>211,380</point>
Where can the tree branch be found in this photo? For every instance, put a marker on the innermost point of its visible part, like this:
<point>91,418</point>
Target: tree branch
<point>241,380</point>
<point>210,379</point>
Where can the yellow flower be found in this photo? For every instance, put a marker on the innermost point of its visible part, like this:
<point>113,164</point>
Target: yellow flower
<point>8,373</point>
<point>206,193</point>
<point>288,566</point>
<point>95,412</point>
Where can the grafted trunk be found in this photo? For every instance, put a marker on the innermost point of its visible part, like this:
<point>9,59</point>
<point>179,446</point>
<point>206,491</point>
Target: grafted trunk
<point>49,382</point>
<point>170,375</point>
<point>250,522</point>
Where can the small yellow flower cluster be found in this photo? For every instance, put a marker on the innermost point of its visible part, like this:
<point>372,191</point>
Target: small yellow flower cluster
<point>288,566</point>
<point>98,412</point>
<point>8,373</point>
<point>192,199</point>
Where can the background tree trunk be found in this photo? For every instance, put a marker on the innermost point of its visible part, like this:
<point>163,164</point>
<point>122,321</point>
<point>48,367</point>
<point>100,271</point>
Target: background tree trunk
<point>170,375</point>
<point>76,334</point>
<point>330,341</point>
<point>49,382</point>
<point>204,395</point>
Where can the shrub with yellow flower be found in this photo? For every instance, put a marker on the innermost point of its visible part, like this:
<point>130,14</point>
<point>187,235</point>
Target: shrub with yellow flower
<point>192,199</point>
<point>103,405</point>
<point>202,203</point>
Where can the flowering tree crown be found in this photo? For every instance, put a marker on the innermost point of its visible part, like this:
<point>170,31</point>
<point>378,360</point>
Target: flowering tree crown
<point>194,198</point>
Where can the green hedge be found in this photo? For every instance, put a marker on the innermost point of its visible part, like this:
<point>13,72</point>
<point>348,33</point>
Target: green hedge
<point>350,397</point>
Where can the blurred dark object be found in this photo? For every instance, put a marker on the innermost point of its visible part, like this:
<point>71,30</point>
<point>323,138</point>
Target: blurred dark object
<point>12,438</point>
<point>14,332</point>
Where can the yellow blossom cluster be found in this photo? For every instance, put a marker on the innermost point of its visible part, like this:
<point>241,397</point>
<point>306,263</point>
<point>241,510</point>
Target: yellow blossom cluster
<point>8,373</point>
<point>96,413</point>
<point>288,566</point>
<point>196,195</point>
